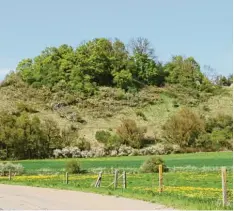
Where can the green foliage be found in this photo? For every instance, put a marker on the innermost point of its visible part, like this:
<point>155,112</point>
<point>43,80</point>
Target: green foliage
<point>102,136</point>
<point>184,71</point>
<point>111,141</point>
<point>73,167</point>
<point>23,107</point>
<point>83,144</point>
<point>25,137</point>
<point>219,133</point>
<point>105,62</point>
<point>183,128</point>
<point>99,62</point>
<point>15,168</point>
<point>224,81</point>
<point>130,134</point>
<point>151,165</point>
<point>141,114</point>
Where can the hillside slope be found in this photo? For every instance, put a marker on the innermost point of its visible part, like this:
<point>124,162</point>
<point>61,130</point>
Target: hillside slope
<point>150,107</point>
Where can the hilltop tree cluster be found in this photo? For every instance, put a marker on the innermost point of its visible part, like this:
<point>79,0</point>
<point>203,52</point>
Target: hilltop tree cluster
<point>104,62</point>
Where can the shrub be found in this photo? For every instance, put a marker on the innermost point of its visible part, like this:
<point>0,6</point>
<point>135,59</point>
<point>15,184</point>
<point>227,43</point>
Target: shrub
<point>21,107</point>
<point>73,167</point>
<point>57,153</point>
<point>83,144</point>
<point>66,153</point>
<point>219,122</point>
<point>113,153</point>
<point>135,152</point>
<point>75,152</point>
<point>151,165</point>
<point>176,148</point>
<point>141,114</point>
<point>3,154</point>
<point>112,142</point>
<point>130,134</point>
<point>15,168</point>
<point>102,136</point>
<point>125,150</point>
<point>119,94</point>
<point>99,152</point>
<point>183,128</point>
<point>219,133</point>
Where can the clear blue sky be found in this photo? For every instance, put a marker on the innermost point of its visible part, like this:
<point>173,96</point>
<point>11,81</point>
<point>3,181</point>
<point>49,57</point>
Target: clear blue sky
<point>198,28</point>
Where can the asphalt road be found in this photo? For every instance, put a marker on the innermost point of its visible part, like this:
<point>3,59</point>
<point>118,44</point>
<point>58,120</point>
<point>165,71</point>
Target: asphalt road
<point>34,198</point>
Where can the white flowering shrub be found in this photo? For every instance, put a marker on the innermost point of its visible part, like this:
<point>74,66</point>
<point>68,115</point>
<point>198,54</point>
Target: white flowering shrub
<point>15,168</point>
<point>125,150</point>
<point>135,152</point>
<point>113,153</point>
<point>99,152</point>
<point>57,153</point>
<point>66,153</point>
<point>159,149</point>
<point>85,154</point>
<point>75,152</point>
<point>176,148</point>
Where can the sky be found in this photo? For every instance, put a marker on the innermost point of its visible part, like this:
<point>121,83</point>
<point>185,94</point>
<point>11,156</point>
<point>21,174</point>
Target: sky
<point>198,28</point>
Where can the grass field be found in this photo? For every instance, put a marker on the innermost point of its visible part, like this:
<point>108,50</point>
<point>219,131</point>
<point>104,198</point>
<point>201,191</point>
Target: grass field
<point>183,189</point>
<point>196,160</point>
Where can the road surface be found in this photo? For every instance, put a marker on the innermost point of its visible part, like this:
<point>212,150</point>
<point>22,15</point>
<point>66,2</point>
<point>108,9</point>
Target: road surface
<point>34,198</point>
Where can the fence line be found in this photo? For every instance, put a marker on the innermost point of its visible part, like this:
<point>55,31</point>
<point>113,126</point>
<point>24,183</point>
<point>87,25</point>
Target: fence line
<point>164,184</point>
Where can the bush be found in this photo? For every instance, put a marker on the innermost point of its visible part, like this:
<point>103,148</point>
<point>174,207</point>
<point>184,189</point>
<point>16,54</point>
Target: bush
<point>66,153</point>
<point>57,153</point>
<point>113,153</point>
<point>151,165</point>
<point>15,168</point>
<point>3,154</point>
<point>73,167</point>
<point>102,136</point>
<point>125,150</point>
<point>99,152</point>
<point>218,134</point>
<point>141,114</point>
<point>183,128</point>
<point>130,134</point>
<point>21,107</point>
<point>83,144</point>
<point>111,142</point>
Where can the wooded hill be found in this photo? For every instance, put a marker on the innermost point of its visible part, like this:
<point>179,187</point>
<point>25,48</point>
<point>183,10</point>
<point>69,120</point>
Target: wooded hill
<point>103,94</point>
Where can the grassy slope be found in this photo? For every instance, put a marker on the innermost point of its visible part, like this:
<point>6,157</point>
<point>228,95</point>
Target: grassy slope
<point>212,159</point>
<point>106,110</point>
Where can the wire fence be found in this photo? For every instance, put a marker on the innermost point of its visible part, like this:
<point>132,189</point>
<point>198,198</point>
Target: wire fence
<point>205,186</point>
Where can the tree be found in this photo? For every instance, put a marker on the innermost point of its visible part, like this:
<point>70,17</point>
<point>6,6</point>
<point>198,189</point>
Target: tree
<point>130,134</point>
<point>184,71</point>
<point>26,137</point>
<point>224,81</point>
<point>141,46</point>
<point>94,58</point>
<point>183,128</point>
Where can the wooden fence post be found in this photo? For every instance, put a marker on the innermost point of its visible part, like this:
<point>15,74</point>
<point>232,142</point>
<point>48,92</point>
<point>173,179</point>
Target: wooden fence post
<point>99,179</point>
<point>124,180</point>
<point>66,178</point>
<point>224,185</point>
<point>9,174</point>
<point>160,174</point>
<point>116,179</point>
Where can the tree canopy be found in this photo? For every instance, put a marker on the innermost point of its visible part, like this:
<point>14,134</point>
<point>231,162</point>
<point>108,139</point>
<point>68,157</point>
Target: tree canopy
<point>106,62</point>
